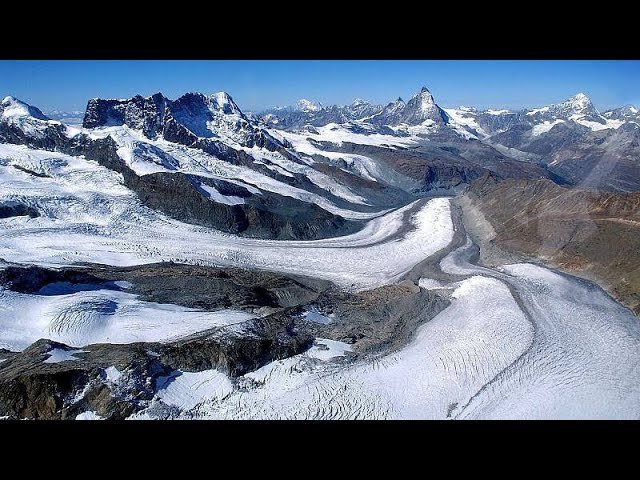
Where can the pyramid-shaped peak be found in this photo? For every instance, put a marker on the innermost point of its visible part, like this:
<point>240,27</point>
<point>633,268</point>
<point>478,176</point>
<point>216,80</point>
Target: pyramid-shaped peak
<point>579,101</point>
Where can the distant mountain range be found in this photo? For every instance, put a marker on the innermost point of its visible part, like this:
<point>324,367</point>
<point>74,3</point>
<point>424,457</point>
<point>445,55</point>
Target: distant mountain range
<point>310,170</point>
<point>572,139</point>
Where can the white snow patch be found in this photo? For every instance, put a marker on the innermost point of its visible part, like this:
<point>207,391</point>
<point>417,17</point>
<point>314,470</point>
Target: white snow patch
<point>113,375</point>
<point>57,355</point>
<point>430,283</point>
<point>216,196</point>
<point>538,110</point>
<point>186,390</point>
<point>497,112</point>
<point>595,126</point>
<point>277,161</point>
<point>325,349</point>
<point>335,133</point>
<point>460,119</point>
<point>89,415</point>
<point>544,127</point>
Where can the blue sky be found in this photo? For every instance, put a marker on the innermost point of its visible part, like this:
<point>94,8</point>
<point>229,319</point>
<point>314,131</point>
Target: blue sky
<point>67,85</point>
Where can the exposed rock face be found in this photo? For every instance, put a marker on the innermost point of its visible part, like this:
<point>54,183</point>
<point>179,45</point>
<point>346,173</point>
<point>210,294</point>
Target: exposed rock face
<point>592,233</point>
<point>376,320</point>
<point>442,164</point>
<point>17,209</point>
<point>30,279</point>
<point>209,288</point>
<point>146,114</point>
<point>193,119</point>
<point>32,388</point>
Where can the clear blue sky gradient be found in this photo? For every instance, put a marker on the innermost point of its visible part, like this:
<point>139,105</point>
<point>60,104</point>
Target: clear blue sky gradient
<point>67,85</point>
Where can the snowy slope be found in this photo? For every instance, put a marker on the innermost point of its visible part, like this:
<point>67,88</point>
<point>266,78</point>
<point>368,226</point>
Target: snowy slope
<point>88,216</point>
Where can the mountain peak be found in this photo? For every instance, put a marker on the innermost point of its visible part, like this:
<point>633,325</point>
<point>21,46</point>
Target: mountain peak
<point>358,101</point>
<point>12,107</point>
<point>578,102</point>
<point>424,90</point>
<point>223,102</point>
<point>308,105</point>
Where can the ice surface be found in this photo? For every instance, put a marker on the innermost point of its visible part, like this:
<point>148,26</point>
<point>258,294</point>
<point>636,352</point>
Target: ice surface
<point>325,349</point>
<point>186,390</point>
<point>216,196</point>
<point>112,374</point>
<point>313,315</point>
<point>57,355</point>
<point>90,415</point>
<point>89,216</point>
<point>544,127</point>
<point>449,359</point>
<point>100,316</point>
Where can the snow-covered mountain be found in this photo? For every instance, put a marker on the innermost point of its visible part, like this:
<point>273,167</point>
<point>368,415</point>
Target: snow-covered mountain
<point>628,113</point>
<point>549,135</point>
<point>201,160</point>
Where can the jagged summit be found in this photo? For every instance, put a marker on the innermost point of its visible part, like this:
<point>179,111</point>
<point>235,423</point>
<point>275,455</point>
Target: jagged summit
<point>187,119</point>
<point>12,107</point>
<point>579,103</point>
<point>306,105</point>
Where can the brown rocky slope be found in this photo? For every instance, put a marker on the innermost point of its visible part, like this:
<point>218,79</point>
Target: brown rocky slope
<point>591,233</point>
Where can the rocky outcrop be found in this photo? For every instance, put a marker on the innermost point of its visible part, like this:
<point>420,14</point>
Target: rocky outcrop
<point>193,286</point>
<point>17,209</point>
<point>194,119</point>
<point>30,387</point>
<point>374,321</point>
<point>30,279</point>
